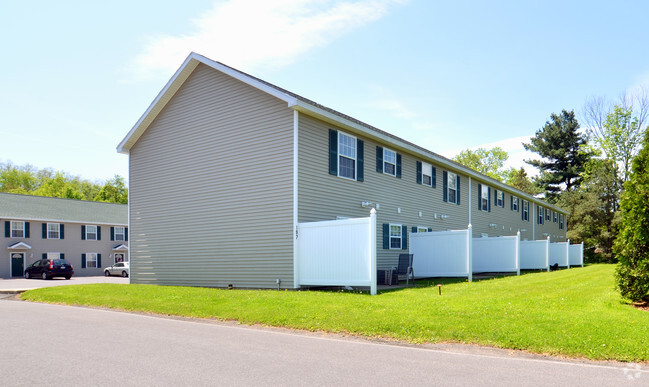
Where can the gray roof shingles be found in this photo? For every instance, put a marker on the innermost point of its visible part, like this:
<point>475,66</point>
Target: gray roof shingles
<point>27,207</point>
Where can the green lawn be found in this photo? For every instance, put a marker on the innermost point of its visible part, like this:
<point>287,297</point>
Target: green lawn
<point>574,312</point>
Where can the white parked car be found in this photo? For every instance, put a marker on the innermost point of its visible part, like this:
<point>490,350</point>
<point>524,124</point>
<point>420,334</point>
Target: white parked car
<point>120,268</point>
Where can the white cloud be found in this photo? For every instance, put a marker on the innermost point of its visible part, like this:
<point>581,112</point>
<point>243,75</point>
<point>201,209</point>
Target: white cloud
<point>255,34</point>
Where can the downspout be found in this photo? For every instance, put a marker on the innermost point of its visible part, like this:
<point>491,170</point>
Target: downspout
<point>296,258</point>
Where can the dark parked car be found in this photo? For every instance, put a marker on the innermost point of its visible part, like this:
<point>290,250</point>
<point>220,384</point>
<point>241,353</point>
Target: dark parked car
<point>49,268</point>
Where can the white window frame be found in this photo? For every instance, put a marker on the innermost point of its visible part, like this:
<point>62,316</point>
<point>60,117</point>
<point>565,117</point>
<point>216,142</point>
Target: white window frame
<point>548,214</point>
<point>451,178</point>
<point>88,260</point>
<point>560,222</point>
<point>426,171</point>
<point>395,237</point>
<point>15,229</point>
<point>484,198</point>
<point>51,231</point>
<point>122,233</point>
<point>555,216</point>
<point>500,198</point>
<point>515,203</point>
<point>422,229</point>
<point>341,154</point>
<point>52,256</point>
<point>386,163</point>
<point>526,210</point>
<point>88,233</point>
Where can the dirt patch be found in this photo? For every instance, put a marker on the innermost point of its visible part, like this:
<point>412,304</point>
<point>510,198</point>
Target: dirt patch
<point>643,305</point>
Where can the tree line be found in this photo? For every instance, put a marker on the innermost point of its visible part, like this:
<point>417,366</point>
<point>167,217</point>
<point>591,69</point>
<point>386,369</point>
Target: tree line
<point>28,180</point>
<point>600,174</point>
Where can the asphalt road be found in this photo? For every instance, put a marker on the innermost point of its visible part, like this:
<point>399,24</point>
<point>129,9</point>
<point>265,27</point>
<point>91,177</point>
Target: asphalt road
<point>62,345</point>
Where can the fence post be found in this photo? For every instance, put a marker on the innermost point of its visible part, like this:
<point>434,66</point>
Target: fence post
<point>518,253</point>
<point>372,251</point>
<point>469,251</point>
<point>568,253</point>
<point>547,253</point>
<point>582,254</point>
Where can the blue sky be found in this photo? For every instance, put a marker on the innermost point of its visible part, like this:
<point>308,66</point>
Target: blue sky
<point>75,76</point>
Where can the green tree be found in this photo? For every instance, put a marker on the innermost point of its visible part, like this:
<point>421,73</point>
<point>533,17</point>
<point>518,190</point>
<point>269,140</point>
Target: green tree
<point>488,162</point>
<point>114,191</point>
<point>19,180</point>
<point>632,242</point>
<point>518,178</point>
<point>563,154</point>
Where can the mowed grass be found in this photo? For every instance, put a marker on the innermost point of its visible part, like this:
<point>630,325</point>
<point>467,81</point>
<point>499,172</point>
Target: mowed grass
<point>575,313</point>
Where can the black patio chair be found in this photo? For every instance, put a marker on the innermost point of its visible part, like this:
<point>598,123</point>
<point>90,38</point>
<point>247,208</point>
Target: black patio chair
<point>405,267</point>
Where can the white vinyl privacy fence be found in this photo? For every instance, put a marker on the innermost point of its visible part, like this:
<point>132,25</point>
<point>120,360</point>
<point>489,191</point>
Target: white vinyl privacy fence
<point>576,255</point>
<point>499,254</point>
<point>535,254</point>
<point>442,253</point>
<point>337,253</point>
<point>559,253</point>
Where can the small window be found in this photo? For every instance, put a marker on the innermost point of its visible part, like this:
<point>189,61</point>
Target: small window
<point>554,216</point>
<point>395,236</point>
<point>547,214</point>
<point>120,233</point>
<point>452,187</point>
<point>539,214</point>
<point>514,203</point>
<point>346,156</point>
<point>389,162</point>
<point>484,198</point>
<point>560,222</point>
<point>53,231</point>
<point>427,174</point>
<point>17,229</point>
<point>91,233</point>
<point>422,229</point>
<point>526,210</point>
<point>500,198</point>
<point>91,260</point>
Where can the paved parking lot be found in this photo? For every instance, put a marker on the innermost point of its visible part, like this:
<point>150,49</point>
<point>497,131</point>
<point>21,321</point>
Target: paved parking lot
<point>14,285</point>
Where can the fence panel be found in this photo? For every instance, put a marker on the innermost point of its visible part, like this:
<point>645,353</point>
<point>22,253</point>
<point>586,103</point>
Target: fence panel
<point>440,253</point>
<point>576,255</point>
<point>337,253</point>
<point>534,254</point>
<point>559,254</point>
<point>496,254</point>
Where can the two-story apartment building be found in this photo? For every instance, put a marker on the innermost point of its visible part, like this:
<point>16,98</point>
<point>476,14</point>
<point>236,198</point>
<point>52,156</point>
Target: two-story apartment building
<point>223,166</point>
<point>87,234</point>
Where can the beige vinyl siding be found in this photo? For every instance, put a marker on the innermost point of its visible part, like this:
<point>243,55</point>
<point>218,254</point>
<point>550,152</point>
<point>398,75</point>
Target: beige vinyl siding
<point>211,192</point>
<point>71,245</point>
<point>324,197</point>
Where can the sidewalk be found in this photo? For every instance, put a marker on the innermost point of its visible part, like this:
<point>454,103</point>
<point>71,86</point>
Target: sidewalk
<point>19,285</point>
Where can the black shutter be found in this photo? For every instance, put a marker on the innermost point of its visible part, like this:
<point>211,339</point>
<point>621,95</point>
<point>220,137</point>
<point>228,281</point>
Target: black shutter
<point>522,204</point>
<point>489,199</point>
<point>445,194</point>
<point>414,229</point>
<point>479,197</point>
<point>83,261</point>
<point>399,166</point>
<point>112,233</point>
<point>458,189</point>
<point>98,260</point>
<point>7,229</point>
<point>404,238</point>
<point>61,231</point>
<point>379,159</point>
<point>360,156</point>
<point>495,197</point>
<point>83,233</point>
<point>44,229</point>
<point>419,177</point>
<point>511,203</point>
<point>61,256</point>
<point>44,255</point>
<point>430,229</point>
<point>26,229</point>
<point>386,236</point>
<point>126,233</point>
<point>434,171</point>
<point>333,152</point>
<point>98,233</point>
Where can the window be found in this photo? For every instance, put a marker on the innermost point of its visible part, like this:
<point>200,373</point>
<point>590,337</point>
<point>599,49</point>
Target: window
<point>560,222</point>
<point>17,229</point>
<point>539,214</point>
<point>426,174</point>
<point>91,260</point>
<point>91,233</point>
<point>500,199</point>
<point>389,162</point>
<point>514,203</point>
<point>53,256</point>
<point>452,187</point>
<point>526,210</point>
<point>547,214</point>
<point>422,229</point>
<point>120,233</point>
<point>53,231</point>
<point>483,204</point>
<point>346,156</point>
<point>395,236</point>
<point>554,216</point>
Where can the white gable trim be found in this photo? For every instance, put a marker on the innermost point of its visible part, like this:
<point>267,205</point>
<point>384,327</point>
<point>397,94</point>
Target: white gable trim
<point>120,247</point>
<point>19,246</point>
